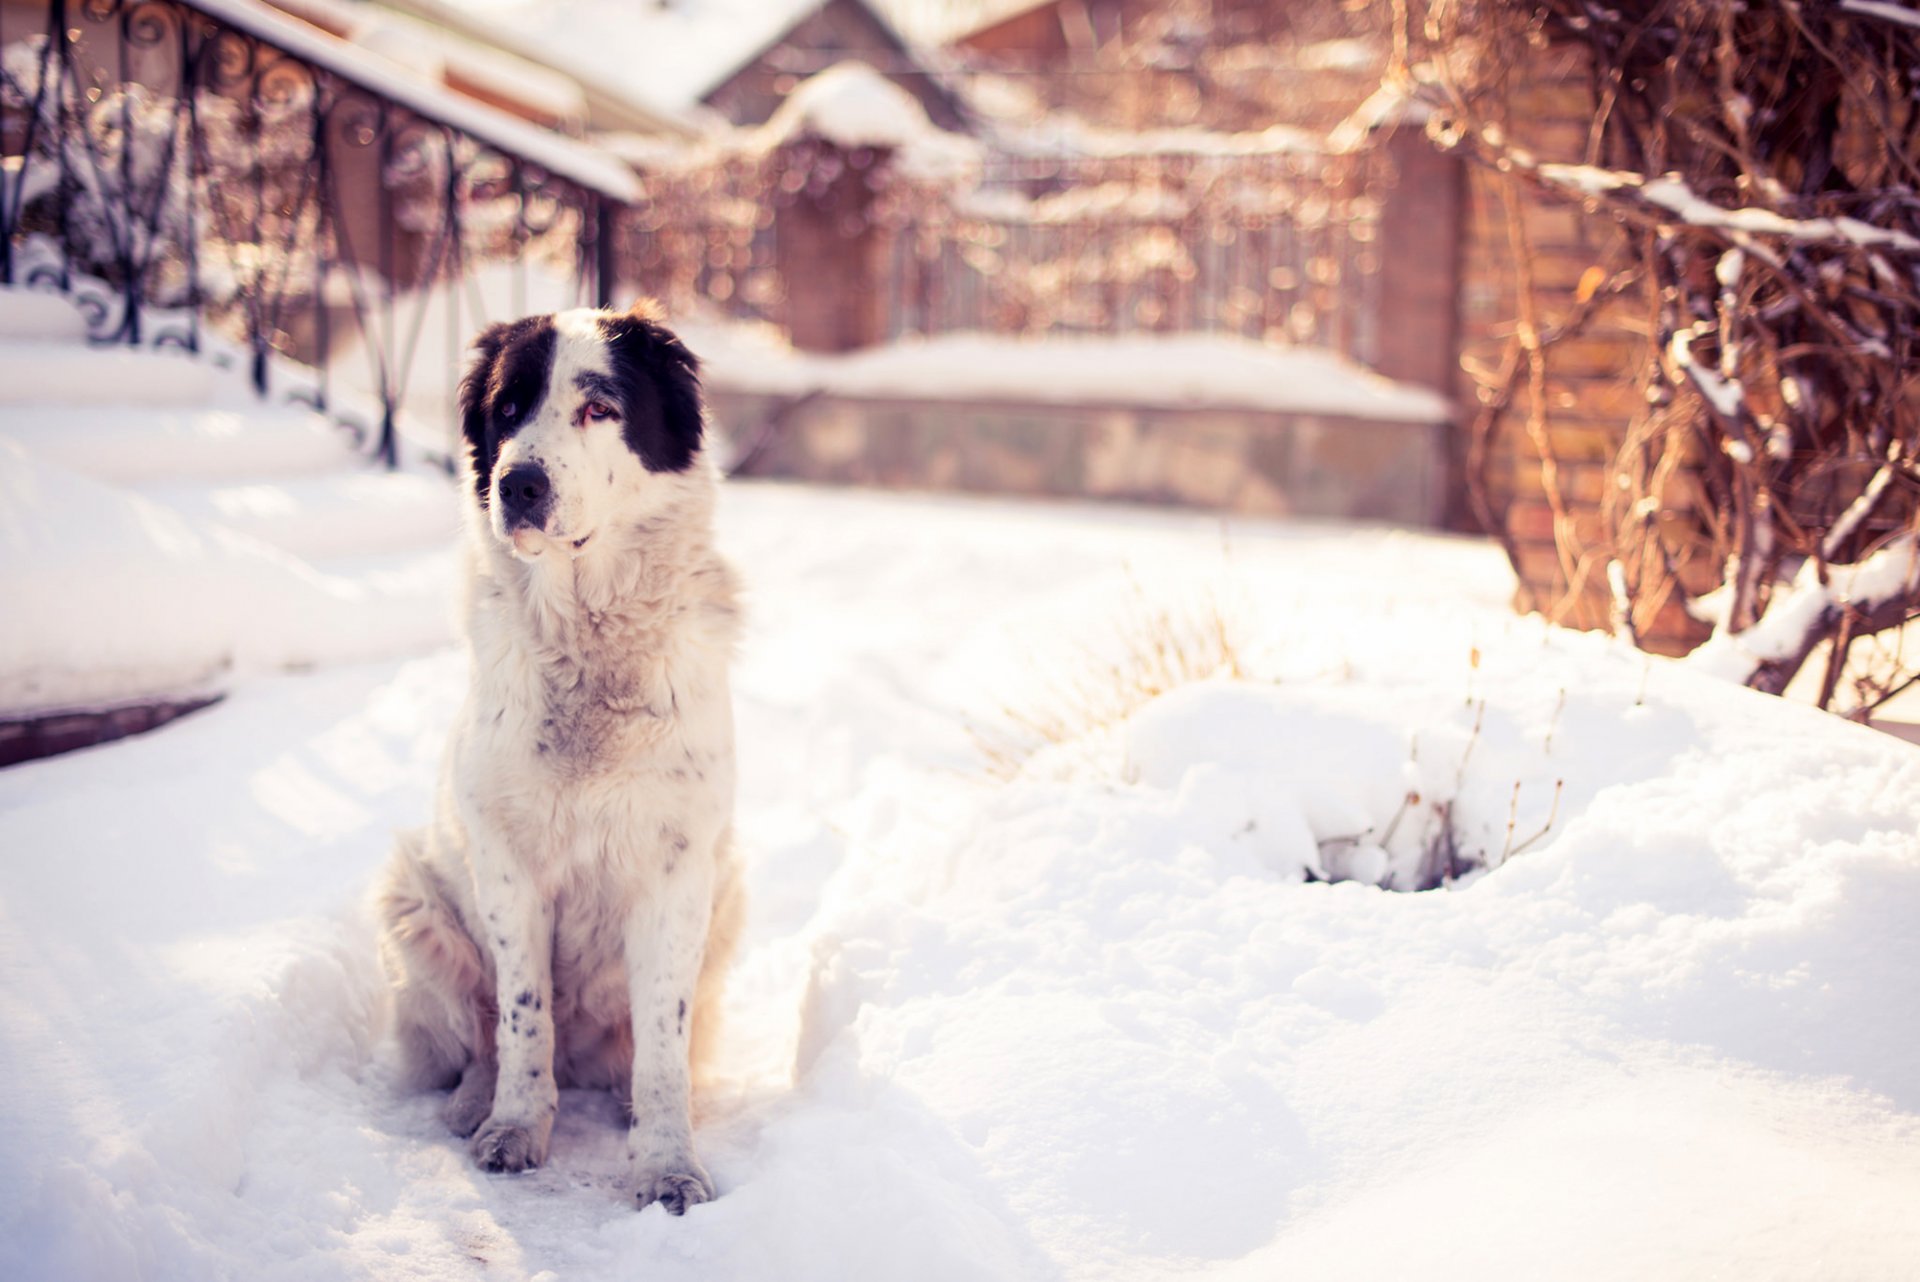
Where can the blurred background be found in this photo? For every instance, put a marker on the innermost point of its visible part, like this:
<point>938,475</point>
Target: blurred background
<point>1401,261</point>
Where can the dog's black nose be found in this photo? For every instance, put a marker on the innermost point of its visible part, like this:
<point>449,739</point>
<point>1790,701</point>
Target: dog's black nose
<point>523,495</point>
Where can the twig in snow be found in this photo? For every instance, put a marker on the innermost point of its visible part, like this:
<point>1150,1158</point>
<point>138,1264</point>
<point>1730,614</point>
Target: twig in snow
<point>1553,813</point>
<point>1559,706</point>
<point>1460,776</point>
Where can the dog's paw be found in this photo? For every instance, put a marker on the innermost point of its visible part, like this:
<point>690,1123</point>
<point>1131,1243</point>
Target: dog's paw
<point>675,1190</point>
<point>465,1115</point>
<point>511,1149</point>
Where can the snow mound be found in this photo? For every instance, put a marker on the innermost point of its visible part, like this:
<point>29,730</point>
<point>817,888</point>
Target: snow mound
<point>1329,782</point>
<point>1171,1054</point>
<point>115,599</point>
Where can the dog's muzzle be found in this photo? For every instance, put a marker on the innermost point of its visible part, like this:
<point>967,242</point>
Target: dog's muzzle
<point>525,497</point>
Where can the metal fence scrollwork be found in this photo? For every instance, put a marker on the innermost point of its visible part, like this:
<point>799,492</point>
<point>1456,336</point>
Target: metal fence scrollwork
<point>189,181</point>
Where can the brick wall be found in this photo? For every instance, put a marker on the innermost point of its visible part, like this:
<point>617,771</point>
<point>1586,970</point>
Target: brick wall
<point>1593,380</point>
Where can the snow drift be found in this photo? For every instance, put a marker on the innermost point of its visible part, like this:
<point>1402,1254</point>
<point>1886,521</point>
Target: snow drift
<point>1090,1021</point>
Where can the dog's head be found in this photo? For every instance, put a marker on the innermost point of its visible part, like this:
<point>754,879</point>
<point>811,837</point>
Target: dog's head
<point>576,421</point>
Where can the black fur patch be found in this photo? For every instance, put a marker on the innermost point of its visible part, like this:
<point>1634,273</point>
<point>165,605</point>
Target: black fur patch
<point>659,388</point>
<point>502,388</point>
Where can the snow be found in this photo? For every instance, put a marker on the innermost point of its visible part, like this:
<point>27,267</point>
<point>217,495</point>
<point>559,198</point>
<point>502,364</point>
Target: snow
<point>1885,11</point>
<point>164,534</point>
<point>428,53</point>
<point>1066,135</point>
<point>1724,393</point>
<point>849,104</point>
<point>1086,1021</point>
<point>1674,195</point>
<point>204,442</point>
<point>1137,369</point>
<point>1890,571</point>
<point>1355,54</point>
<point>667,55</point>
<point>88,376</point>
<point>115,598</point>
<point>39,318</point>
<point>852,105</point>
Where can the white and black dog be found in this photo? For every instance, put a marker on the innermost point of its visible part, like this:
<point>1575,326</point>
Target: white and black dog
<point>566,918</point>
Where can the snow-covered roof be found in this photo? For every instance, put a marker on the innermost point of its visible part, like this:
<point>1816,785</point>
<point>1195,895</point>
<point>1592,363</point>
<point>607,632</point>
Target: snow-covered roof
<point>435,55</point>
<point>849,104</point>
<point>565,157</point>
<point>668,55</point>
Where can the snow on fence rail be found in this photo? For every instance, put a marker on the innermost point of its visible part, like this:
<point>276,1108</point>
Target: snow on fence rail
<point>184,165</point>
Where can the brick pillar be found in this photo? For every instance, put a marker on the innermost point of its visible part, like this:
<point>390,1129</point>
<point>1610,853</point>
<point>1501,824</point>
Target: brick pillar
<point>830,250</point>
<point>1422,228</point>
<point>1421,247</point>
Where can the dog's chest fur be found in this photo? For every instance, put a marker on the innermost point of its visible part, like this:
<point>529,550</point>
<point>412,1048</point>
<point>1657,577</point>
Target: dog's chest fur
<point>602,719</point>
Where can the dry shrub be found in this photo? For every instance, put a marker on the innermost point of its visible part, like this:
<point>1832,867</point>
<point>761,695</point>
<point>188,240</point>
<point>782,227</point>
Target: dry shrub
<point>1153,648</point>
<point>1761,164</point>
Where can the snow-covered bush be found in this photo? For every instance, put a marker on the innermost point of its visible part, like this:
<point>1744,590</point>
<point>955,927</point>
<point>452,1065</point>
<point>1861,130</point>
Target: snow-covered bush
<point>1761,162</point>
<point>1330,779</point>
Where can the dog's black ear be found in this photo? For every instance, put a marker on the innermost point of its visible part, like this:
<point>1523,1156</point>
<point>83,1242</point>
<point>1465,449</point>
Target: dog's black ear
<point>661,413</point>
<point>475,423</point>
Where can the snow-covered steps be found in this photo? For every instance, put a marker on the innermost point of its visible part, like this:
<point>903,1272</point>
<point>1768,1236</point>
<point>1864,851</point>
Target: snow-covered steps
<point>65,373</point>
<point>116,599</point>
<point>165,534</point>
<point>129,443</point>
<point>329,515</point>
<point>31,316</point>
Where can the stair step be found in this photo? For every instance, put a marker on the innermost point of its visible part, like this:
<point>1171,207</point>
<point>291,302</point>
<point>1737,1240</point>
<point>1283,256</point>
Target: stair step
<point>42,373</point>
<point>329,516</point>
<point>131,444</point>
<point>419,581</point>
<point>38,316</point>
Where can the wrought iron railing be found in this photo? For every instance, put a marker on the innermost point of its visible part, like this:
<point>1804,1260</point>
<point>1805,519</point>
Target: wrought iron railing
<point>214,175</point>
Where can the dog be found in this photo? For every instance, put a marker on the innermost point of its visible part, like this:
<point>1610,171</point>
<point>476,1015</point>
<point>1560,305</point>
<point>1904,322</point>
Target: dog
<point>567,916</point>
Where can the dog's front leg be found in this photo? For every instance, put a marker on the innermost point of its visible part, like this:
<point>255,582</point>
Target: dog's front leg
<point>666,937</point>
<point>519,925</point>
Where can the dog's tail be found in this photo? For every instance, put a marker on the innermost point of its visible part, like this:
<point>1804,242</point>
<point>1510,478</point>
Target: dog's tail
<point>437,971</point>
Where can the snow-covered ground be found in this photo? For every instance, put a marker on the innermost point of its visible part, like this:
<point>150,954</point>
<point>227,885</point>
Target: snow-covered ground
<point>1090,1021</point>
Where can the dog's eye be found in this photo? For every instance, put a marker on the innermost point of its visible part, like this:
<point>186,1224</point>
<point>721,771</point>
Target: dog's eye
<point>509,410</point>
<point>597,410</point>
